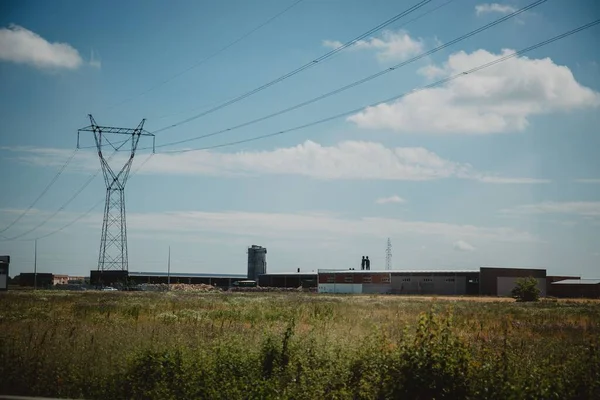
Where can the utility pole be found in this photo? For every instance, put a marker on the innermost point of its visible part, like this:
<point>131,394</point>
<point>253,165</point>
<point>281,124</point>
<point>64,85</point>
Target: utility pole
<point>35,266</point>
<point>169,271</point>
<point>388,255</point>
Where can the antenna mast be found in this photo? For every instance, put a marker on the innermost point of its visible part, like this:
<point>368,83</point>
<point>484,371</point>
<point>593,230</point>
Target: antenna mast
<point>388,255</point>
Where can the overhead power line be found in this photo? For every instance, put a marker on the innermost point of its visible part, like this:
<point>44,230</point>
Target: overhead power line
<point>361,81</point>
<point>282,111</point>
<point>81,216</point>
<point>211,56</point>
<point>61,208</point>
<point>46,189</point>
<point>432,85</point>
<point>299,69</point>
<point>290,108</point>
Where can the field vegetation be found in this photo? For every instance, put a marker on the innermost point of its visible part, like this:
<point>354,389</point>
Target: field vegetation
<point>138,345</point>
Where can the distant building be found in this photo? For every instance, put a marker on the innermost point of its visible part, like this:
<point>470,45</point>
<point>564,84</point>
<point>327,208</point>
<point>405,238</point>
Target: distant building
<point>4,278</point>
<point>588,288</point>
<point>486,281</point>
<point>257,262</point>
<point>46,279</point>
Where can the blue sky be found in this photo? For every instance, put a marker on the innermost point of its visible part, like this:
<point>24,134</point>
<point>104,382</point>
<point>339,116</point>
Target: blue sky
<point>498,167</point>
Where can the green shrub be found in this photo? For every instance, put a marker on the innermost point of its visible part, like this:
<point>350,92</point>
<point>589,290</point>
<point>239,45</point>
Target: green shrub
<point>526,290</point>
<point>433,365</point>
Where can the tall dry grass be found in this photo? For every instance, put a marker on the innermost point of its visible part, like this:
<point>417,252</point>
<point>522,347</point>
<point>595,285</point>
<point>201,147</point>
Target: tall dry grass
<point>293,345</point>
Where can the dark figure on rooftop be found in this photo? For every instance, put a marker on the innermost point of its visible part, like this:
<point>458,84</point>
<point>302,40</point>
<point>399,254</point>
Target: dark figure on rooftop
<point>368,263</point>
<point>363,263</point>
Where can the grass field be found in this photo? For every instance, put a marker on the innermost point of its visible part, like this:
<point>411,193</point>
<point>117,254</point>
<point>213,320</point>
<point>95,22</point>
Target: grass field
<point>139,345</point>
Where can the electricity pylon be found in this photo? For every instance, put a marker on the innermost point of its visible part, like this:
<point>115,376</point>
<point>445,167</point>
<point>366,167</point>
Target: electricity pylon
<point>113,242</point>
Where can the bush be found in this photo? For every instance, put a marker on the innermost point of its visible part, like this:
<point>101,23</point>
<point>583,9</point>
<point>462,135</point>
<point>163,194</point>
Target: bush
<point>434,365</point>
<point>526,290</point>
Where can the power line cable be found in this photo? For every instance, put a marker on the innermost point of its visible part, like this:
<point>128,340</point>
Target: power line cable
<point>77,219</point>
<point>286,110</point>
<point>432,85</point>
<point>96,205</point>
<point>213,55</point>
<point>299,69</point>
<point>361,81</point>
<point>46,189</point>
<point>213,103</point>
<point>61,208</point>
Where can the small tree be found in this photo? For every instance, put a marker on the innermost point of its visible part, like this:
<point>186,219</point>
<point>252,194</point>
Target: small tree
<point>526,290</point>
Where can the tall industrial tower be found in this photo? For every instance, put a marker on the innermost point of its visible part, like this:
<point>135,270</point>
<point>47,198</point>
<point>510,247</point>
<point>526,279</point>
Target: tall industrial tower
<point>113,242</point>
<point>388,255</point>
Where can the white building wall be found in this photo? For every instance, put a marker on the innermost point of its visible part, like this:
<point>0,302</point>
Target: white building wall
<point>377,288</point>
<point>340,288</point>
<point>505,284</point>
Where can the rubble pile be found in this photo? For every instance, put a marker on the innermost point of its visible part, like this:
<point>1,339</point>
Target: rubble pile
<point>261,289</point>
<point>185,287</point>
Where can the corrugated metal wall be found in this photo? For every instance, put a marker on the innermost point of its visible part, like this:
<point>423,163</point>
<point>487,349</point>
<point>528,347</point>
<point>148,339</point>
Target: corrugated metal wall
<point>505,284</point>
<point>427,284</point>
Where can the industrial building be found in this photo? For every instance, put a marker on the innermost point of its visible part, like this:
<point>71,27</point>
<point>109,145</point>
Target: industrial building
<point>423,282</point>
<point>288,280</point>
<point>496,281</point>
<point>571,288</point>
<point>257,265</point>
<point>4,264</point>
<point>257,262</point>
<point>220,280</point>
<point>45,280</point>
<point>485,281</point>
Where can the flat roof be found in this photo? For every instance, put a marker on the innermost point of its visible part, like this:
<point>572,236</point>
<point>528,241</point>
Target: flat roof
<point>288,273</point>
<point>399,271</point>
<point>577,282</point>
<point>499,267</point>
<point>188,275</point>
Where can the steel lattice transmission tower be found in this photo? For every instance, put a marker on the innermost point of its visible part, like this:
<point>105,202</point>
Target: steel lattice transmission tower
<point>113,242</point>
<point>388,255</point>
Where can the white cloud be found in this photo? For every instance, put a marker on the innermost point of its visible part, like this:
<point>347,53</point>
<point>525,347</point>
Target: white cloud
<point>500,179</point>
<point>347,160</point>
<point>333,44</point>
<point>588,180</point>
<point>392,46</point>
<point>487,8</point>
<point>461,245</point>
<point>22,46</point>
<point>277,224</point>
<point>500,98</point>
<point>391,199</point>
<point>582,208</point>
<point>288,225</point>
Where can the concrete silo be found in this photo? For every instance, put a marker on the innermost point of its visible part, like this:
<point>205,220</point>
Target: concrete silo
<point>257,262</point>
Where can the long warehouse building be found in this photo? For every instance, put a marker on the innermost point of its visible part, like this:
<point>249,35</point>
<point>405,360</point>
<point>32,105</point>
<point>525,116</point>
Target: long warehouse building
<point>486,281</point>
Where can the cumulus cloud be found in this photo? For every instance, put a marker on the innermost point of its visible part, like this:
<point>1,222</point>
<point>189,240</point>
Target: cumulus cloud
<point>581,208</point>
<point>391,199</point>
<point>461,245</point>
<point>496,99</point>
<point>394,46</point>
<point>347,160</point>
<point>20,45</point>
<point>487,8</point>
